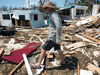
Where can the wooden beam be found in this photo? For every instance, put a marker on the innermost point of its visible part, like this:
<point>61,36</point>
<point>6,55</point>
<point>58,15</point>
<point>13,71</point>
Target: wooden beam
<point>85,39</point>
<point>49,56</point>
<point>75,45</point>
<point>78,67</point>
<point>16,23</point>
<point>8,52</point>
<point>71,52</point>
<point>1,51</point>
<point>93,39</point>
<point>97,9</point>
<point>18,66</point>
<point>93,68</point>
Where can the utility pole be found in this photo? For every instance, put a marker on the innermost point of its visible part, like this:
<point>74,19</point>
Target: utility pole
<point>97,1</point>
<point>29,4</point>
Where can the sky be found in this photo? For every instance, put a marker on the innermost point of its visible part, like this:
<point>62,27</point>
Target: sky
<point>24,3</point>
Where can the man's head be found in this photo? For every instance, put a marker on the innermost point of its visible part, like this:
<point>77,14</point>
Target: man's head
<point>48,9</point>
<point>49,6</point>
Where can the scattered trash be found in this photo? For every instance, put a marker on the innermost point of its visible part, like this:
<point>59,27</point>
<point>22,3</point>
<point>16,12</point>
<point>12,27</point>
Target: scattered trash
<point>96,53</point>
<point>32,60</point>
<point>85,72</point>
<point>95,63</point>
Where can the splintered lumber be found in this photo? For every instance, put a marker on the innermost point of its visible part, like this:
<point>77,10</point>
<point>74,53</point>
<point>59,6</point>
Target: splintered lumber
<point>95,40</point>
<point>78,67</point>
<point>67,35</point>
<point>97,36</point>
<point>31,38</point>
<point>18,66</point>
<point>84,21</point>
<point>94,18</point>
<point>95,9</point>
<point>38,38</point>
<point>49,56</point>
<point>8,52</point>
<point>71,52</point>
<point>93,68</point>
<point>98,20</point>
<point>1,51</point>
<point>45,72</point>
<point>85,39</point>
<point>43,32</point>
<point>67,55</point>
<point>75,45</point>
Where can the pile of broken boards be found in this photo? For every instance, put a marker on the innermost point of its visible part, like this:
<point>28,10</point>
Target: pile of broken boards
<point>85,39</point>
<point>84,45</point>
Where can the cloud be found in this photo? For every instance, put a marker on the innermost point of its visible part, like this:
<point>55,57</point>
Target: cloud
<point>32,2</point>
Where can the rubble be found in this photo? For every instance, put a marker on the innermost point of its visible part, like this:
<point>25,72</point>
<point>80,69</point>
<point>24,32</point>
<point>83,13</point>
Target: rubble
<point>82,43</point>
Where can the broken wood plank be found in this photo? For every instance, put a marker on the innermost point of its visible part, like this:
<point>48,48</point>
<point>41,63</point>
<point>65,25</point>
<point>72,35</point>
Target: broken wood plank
<point>93,68</point>
<point>45,72</point>
<point>95,9</point>
<point>67,55</point>
<point>93,39</point>
<point>84,21</point>
<point>71,39</point>
<point>78,67</point>
<point>39,38</point>
<point>85,39</point>
<point>71,52</point>
<point>8,52</point>
<point>49,56</point>
<point>98,20</point>
<point>18,66</point>
<point>16,23</point>
<point>75,45</point>
<point>97,36</point>
<point>30,39</point>
<point>1,51</point>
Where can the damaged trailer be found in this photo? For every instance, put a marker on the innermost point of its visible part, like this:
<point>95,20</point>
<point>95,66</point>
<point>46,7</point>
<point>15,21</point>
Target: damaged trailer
<point>28,18</point>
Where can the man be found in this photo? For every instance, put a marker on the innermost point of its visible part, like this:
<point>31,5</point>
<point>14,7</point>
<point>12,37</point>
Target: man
<point>55,33</point>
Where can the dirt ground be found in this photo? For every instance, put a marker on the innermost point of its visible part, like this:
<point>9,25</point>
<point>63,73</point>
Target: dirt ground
<point>6,67</point>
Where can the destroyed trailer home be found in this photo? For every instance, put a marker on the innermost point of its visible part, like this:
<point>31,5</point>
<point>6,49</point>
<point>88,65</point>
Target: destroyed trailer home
<point>72,12</point>
<point>28,18</point>
<point>80,44</point>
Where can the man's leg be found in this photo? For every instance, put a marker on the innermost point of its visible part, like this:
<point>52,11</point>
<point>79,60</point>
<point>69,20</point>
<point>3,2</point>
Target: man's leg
<point>61,55</point>
<point>42,55</point>
<point>47,46</point>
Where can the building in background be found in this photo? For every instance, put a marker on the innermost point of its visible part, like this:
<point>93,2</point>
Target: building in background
<point>29,18</point>
<point>96,9</point>
<point>72,12</point>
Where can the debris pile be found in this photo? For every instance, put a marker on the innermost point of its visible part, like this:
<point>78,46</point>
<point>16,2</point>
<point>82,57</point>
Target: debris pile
<point>80,45</point>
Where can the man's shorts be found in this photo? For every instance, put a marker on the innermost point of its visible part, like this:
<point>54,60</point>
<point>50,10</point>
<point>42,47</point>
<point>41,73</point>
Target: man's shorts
<point>49,44</point>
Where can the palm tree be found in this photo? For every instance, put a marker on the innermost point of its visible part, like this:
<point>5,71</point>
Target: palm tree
<point>4,8</point>
<point>41,2</point>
